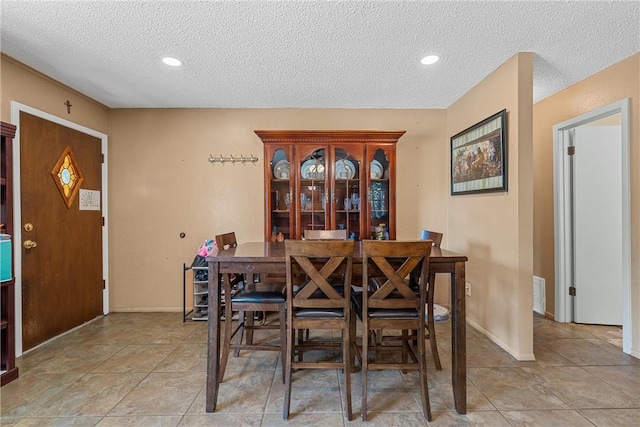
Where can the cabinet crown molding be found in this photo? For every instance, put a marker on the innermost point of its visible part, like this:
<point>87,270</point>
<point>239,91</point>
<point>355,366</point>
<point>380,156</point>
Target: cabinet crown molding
<point>379,136</point>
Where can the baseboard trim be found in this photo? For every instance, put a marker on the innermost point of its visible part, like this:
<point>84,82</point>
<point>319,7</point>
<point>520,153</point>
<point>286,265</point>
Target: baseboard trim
<point>147,310</point>
<point>505,347</point>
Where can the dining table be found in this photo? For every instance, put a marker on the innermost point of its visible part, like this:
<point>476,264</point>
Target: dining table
<point>269,258</point>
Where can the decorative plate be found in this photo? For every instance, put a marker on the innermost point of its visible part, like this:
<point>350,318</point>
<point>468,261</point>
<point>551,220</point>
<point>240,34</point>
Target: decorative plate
<point>345,169</point>
<point>312,169</point>
<point>281,169</point>
<point>376,169</point>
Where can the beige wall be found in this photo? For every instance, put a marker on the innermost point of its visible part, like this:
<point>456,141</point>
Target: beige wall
<point>21,84</point>
<point>161,184</point>
<point>617,82</point>
<point>495,229</point>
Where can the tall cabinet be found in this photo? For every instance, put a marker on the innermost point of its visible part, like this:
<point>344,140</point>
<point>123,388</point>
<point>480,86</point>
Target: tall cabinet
<point>8,369</point>
<point>326,180</point>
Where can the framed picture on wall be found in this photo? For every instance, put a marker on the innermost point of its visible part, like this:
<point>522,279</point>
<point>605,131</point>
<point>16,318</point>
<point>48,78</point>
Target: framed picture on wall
<point>479,157</point>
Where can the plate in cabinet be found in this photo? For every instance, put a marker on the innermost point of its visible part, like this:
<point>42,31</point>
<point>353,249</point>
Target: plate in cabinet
<point>345,169</point>
<point>312,169</point>
<point>377,170</point>
<point>281,169</point>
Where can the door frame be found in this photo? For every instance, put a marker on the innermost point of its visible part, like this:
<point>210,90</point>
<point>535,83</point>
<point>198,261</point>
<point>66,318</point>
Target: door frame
<point>16,109</point>
<point>562,138</point>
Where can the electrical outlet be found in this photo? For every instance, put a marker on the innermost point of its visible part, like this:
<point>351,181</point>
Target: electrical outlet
<point>467,289</point>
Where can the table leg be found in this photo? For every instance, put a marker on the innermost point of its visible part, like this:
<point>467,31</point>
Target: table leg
<point>213,341</point>
<point>458,338</point>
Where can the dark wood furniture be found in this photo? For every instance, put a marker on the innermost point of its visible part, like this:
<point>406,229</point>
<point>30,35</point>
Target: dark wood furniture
<point>226,240</point>
<point>314,303</point>
<point>389,303</point>
<point>267,257</point>
<point>247,297</point>
<point>436,238</point>
<point>325,234</point>
<point>8,369</point>
<point>322,180</point>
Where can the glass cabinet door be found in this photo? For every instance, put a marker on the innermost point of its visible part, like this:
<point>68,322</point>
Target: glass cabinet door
<point>347,189</point>
<point>328,180</point>
<point>381,216</point>
<point>312,191</point>
<point>281,201</point>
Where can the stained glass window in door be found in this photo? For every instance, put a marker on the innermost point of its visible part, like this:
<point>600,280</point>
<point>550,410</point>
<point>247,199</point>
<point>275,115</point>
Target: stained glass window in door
<point>67,176</point>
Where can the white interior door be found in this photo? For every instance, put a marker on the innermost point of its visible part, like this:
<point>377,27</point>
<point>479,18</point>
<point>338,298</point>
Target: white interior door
<point>597,199</point>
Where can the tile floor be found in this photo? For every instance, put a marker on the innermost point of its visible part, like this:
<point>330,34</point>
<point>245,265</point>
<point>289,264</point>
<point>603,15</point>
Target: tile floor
<point>148,369</point>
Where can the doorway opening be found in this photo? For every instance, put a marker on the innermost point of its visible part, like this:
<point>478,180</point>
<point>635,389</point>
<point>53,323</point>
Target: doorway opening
<point>565,200</point>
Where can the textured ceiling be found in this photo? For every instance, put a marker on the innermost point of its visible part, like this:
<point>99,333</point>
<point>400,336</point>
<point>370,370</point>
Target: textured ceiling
<point>316,54</point>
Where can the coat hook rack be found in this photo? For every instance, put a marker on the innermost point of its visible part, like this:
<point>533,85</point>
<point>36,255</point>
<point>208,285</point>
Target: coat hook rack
<point>231,159</point>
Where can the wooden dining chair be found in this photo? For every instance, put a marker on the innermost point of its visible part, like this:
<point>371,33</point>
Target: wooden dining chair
<point>325,234</point>
<point>226,241</point>
<point>337,279</point>
<point>390,303</point>
<point>315,303</point>
<point>436,238</point>
<point>249,298</point>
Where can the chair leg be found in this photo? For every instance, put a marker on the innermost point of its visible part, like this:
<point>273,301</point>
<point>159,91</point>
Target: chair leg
<point>283,340</point>
<point>264,318</point>
<point>434,345</point>
<point>289,369</point>
<point>431,322</point>
<point>355,354</point>
<point>299,349</point>
<point>346,359</point>
<point>228,330</point>
<point>242,318</point>
<point>249,319</point>
<point>365,366</point>
<point>405,346</point>
<point>424,386</point>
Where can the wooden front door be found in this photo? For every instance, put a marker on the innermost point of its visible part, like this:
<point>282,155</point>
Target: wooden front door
<point>62,280</point>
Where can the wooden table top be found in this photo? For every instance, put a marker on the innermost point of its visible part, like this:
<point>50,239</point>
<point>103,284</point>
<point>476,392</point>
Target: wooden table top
<point>274,252</point>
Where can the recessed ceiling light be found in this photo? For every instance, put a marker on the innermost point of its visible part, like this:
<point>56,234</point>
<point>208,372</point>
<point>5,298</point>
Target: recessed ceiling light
<point>174,62</point>
<point>431,59</point>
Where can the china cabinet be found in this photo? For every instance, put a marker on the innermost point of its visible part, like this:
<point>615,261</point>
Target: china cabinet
<point>8,369</point>
<point>327,180</point>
